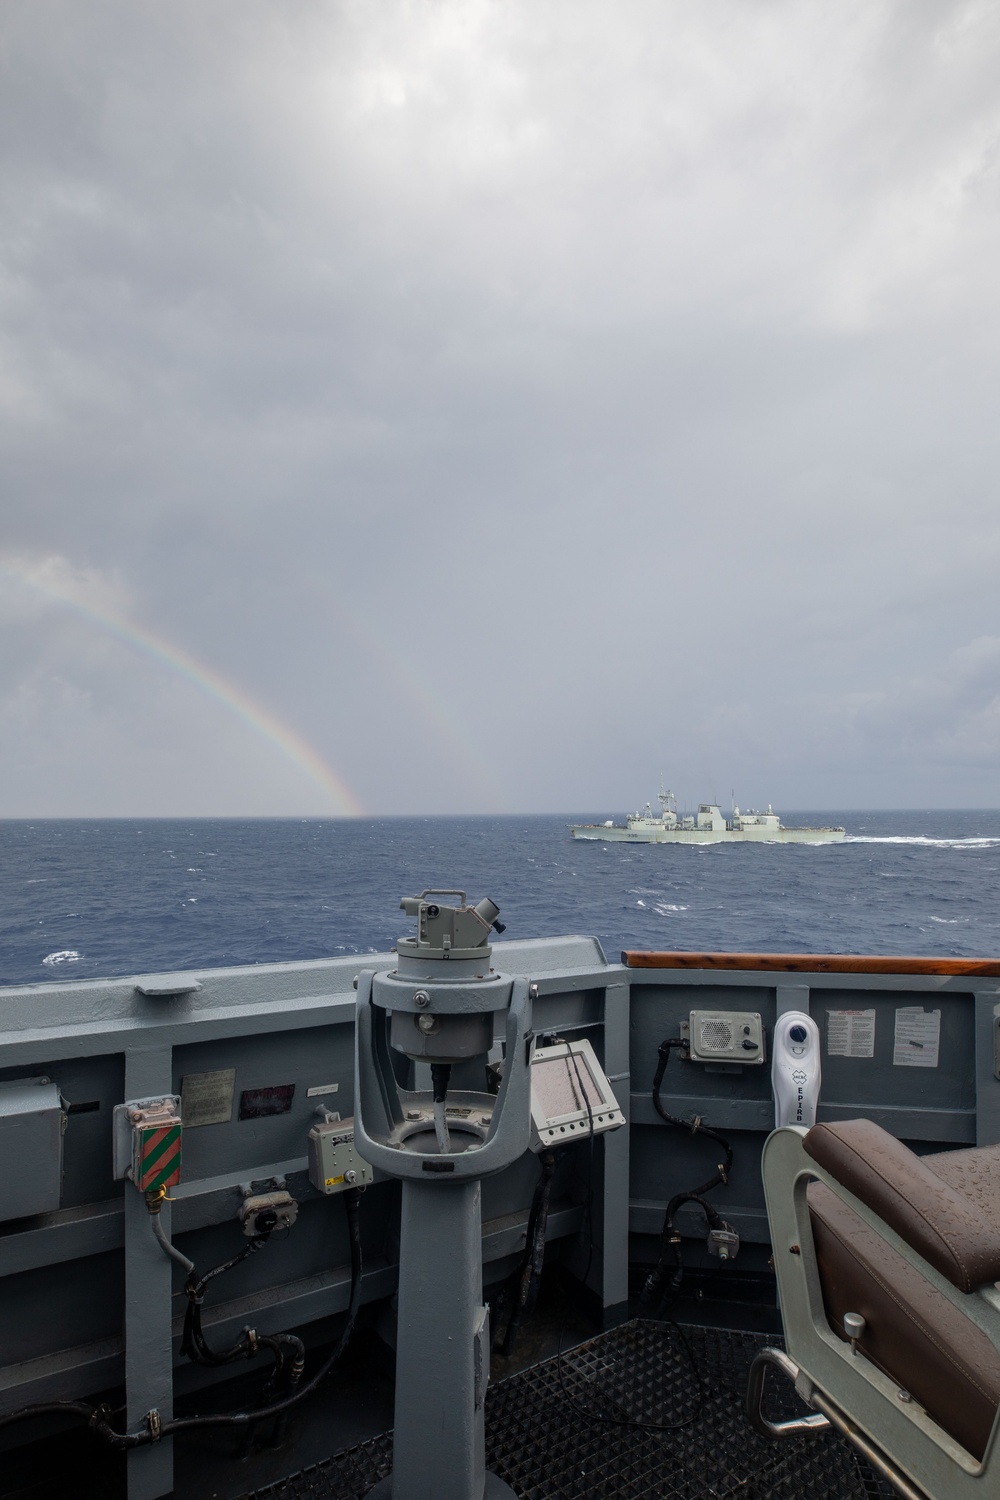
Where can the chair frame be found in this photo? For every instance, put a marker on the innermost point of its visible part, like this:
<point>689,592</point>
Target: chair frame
<point>866,1405</point>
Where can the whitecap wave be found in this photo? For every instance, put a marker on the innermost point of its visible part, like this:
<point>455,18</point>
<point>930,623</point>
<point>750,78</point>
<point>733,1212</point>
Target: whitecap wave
<point>949,921</point>
<point>920,840</point>
<point>663,907</point>
<point>64,956</point>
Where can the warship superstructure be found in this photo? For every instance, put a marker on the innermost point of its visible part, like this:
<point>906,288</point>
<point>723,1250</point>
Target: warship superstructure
<point>708,826</point>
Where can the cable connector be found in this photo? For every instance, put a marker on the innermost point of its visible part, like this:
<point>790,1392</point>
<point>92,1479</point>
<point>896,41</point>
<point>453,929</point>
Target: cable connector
<point>724,1242</point>
<point>155,1425</point>
<point>100,1416</point>
<point>651,1285</point>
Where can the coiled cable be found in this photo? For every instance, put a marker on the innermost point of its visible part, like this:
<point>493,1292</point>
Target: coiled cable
<point>99,1418</point>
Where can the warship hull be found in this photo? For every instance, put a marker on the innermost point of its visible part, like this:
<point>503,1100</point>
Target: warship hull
<point>597,833</point>
<point>707,826</point>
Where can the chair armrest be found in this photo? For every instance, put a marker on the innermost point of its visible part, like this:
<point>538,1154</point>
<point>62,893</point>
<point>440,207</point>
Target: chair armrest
<point>941,1224</point>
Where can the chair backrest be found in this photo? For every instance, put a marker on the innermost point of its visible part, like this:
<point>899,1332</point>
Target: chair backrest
<point>944,1226</point>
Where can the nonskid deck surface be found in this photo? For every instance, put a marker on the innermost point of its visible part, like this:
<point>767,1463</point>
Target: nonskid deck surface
<point>545,1436</point>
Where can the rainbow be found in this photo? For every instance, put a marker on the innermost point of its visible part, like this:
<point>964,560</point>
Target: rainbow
<point>157,648</point>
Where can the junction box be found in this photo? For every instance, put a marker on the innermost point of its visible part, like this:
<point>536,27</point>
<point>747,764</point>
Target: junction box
<point>334,1163</point>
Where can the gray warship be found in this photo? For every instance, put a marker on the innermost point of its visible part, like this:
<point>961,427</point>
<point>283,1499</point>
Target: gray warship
<point>468,1220</point>
<point>707,826</point>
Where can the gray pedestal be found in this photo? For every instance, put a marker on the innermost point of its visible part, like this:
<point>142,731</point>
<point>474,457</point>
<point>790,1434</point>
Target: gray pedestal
<point>442,1350</point>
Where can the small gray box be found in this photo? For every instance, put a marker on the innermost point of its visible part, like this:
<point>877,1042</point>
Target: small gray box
<point>334,1163</point>
<point>730,1036</point>
<point>31,1148</point>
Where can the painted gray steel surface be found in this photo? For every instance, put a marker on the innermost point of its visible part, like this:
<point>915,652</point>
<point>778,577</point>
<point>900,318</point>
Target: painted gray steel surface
<point>956,1103</point>
<point>31,1128</point>
<point>76,1278</point>
<point>87,1290</point>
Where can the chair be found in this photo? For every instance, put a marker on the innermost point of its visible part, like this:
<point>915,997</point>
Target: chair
<point>886,1263</point>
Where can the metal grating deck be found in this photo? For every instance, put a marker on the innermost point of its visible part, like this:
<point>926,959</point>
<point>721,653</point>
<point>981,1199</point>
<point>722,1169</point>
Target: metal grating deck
<point>544,1439</point>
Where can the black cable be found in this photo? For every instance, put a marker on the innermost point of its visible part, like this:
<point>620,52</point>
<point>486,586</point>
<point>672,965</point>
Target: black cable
<point>440,1078</point>
<point>695,1126</point>
<point>352,1198</point>
<point>50,1408</point>
<point>611,1421</point>
<point>522,1284</point>
<point>194,1344</point>
<point>670,1239</point>
<point>604,1417</point>
<point>98,1418</point>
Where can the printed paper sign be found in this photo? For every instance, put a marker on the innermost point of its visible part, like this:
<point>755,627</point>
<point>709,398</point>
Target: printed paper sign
<point>918,1037</point>
<point>850,1033</point>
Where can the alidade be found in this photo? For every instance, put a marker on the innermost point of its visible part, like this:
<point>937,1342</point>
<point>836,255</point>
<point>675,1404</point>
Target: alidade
<point>449,931</point>
<point>441,1005</point>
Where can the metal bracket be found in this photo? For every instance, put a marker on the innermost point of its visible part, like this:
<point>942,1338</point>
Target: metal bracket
<point>792,1426</point>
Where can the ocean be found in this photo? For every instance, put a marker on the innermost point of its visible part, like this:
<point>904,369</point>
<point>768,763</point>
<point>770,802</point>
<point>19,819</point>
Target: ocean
<point>92,898</point>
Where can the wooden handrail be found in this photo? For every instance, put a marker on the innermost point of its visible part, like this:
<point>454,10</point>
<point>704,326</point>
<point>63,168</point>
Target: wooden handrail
<point>814,963</point>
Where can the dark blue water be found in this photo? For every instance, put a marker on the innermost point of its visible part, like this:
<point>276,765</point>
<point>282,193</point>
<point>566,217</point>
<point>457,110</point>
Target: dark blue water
<point>87,898</point>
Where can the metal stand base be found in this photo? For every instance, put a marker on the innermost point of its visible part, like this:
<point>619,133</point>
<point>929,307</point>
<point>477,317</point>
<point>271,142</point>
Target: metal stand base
<point>496,1489</point>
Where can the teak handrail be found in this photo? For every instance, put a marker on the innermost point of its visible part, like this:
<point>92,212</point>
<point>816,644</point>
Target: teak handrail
<point>814,963</point>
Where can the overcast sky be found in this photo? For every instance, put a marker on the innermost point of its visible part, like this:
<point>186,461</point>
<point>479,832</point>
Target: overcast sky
<point>503,404</point>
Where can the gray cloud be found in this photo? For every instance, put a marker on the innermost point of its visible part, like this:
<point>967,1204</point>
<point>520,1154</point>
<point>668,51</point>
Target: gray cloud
<point>514,400</point>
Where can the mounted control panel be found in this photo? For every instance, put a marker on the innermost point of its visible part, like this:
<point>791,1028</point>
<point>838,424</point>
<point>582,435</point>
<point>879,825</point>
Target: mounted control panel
<point>725,1036</point>
<point>571,1096</point>
<point>262,1213</point>
<point>334,1164</point>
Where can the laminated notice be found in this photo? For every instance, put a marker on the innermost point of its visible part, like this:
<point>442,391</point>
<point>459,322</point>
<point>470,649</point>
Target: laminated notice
<point>207,1098</point>
<point>918,1037</point>
<point>850,1033</point>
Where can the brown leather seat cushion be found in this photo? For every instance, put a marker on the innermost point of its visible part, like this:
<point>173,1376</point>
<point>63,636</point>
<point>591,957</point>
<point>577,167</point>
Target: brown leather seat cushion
<point>974,1172</point>
<point>947,1225</point>
<point>912,1333</point>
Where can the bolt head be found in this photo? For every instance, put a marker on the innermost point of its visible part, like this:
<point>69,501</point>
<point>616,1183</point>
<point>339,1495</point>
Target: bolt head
<point>421,997</point>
